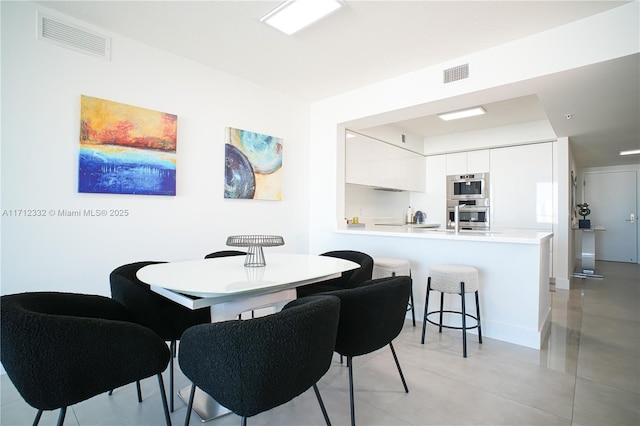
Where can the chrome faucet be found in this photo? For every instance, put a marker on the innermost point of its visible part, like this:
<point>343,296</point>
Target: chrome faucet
<point>456,217</point>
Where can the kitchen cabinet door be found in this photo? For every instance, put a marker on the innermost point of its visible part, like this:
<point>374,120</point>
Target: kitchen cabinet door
<point>379,164</point>
<point>358,161</point>
<point>416,169</point>
<point>435,200</point>
<point>394,160</point>
<point>478,161</point>
<point>521,189</point>
<point>460,163</point>
<point>456,163</point>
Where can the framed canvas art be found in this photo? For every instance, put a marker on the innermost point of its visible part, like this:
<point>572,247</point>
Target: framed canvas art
<point>253,165</point>
<point>126,149</point>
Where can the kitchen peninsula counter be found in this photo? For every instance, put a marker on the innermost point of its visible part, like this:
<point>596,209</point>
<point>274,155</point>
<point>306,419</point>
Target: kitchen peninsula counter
<point>514,268</point>
<point>517,236</point>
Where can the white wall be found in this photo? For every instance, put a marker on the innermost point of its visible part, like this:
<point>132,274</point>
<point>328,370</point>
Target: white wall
<point>41,88</point>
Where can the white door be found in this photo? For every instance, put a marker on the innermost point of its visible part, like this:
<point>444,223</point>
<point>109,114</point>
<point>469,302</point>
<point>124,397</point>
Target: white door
<point>612,199</point>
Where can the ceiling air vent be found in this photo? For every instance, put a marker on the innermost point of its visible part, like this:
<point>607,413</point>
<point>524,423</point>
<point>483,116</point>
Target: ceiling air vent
<point>73,37</point>
<point>456,73</point>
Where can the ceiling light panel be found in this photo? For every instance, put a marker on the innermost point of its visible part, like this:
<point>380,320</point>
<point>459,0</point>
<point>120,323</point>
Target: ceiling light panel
<point>463,113</point>
<point>630,152</point>
<point>294,15</point>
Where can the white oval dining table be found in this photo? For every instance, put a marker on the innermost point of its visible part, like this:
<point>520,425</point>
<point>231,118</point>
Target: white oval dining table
<point>229,288</point>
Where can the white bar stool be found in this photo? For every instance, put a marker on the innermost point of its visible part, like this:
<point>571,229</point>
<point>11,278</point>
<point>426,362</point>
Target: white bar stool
<point>453,279</point>
<point>390,267</point>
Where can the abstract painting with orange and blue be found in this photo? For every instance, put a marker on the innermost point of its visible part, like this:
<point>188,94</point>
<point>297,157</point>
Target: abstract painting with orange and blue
<point>126,149</point>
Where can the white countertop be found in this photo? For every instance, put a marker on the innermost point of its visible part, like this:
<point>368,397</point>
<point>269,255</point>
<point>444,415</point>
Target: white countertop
<point>518,236</point>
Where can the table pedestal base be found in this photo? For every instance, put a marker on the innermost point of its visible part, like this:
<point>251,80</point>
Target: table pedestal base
<point>588,258</point>
<point>587,273</point>
<point>205,407</point>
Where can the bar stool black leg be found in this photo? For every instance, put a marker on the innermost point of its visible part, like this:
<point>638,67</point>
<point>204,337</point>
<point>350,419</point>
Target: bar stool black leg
<point>478,313</point>
<point>441,311</point>
<point>413,311</point>
<point>464,322</point>
<point>426,307</point>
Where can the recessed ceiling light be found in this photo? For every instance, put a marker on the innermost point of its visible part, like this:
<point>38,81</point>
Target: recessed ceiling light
<point>630,152</point>
<point>294,15</point>
<point>463,113</point>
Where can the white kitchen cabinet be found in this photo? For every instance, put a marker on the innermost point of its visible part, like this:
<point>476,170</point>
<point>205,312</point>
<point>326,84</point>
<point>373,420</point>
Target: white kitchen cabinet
<point>435,204</point>
<point>459,163</point>
<point>521,189</point>
<point>478,161</point>
<point>416,169</point>
<point>378,164</point>
<point>359,157</point>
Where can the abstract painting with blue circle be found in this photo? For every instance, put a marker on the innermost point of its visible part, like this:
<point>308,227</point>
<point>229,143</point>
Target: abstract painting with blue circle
<point>253,165</point>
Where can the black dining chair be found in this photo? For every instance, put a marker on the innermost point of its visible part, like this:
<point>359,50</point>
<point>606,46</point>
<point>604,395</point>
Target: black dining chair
<point>371,316</point>
<point>225,253</point>
<point>348,279</point>
<point>59,349</point>
<point>255,365</point>
<point>228,253</point>
<point>167,318</point>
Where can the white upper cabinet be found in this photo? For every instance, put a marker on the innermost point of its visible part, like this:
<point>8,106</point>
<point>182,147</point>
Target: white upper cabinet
<point>378,164</point>
<point>359,158</point>
<point>478,161</point>
<point>435,204</point>
<point>521,190</point>
<point>459,163</point>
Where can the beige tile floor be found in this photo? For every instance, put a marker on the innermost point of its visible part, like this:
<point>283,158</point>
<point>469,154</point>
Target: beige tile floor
<point>588,373</point>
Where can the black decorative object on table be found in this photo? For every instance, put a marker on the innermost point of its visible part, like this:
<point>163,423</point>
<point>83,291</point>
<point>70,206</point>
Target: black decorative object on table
<point>254,244</point>
<point>584,211</point>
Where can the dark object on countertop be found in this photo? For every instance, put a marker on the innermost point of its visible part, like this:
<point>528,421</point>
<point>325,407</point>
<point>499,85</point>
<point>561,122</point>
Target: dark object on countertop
<point>419,217</point>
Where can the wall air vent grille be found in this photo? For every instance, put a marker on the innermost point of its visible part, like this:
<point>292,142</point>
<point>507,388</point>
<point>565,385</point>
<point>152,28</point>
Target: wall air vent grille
<point>456,73</point>
<point>73,37</point>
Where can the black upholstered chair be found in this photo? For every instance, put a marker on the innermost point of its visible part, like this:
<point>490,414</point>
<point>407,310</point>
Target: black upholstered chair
<point>225,253</point>
<point>254,365</point>
<point>371,316</point>
<point>167,318</point>
<point>228,253</point>
<point>62,348</point>
<point>348,279</point>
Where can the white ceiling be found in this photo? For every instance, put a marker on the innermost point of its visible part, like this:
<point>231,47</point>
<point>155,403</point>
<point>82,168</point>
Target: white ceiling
<point>368,41</point>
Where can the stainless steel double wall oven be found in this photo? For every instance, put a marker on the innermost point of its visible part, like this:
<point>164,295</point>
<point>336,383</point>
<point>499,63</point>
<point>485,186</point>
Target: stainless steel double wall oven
<point>471,193</point>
